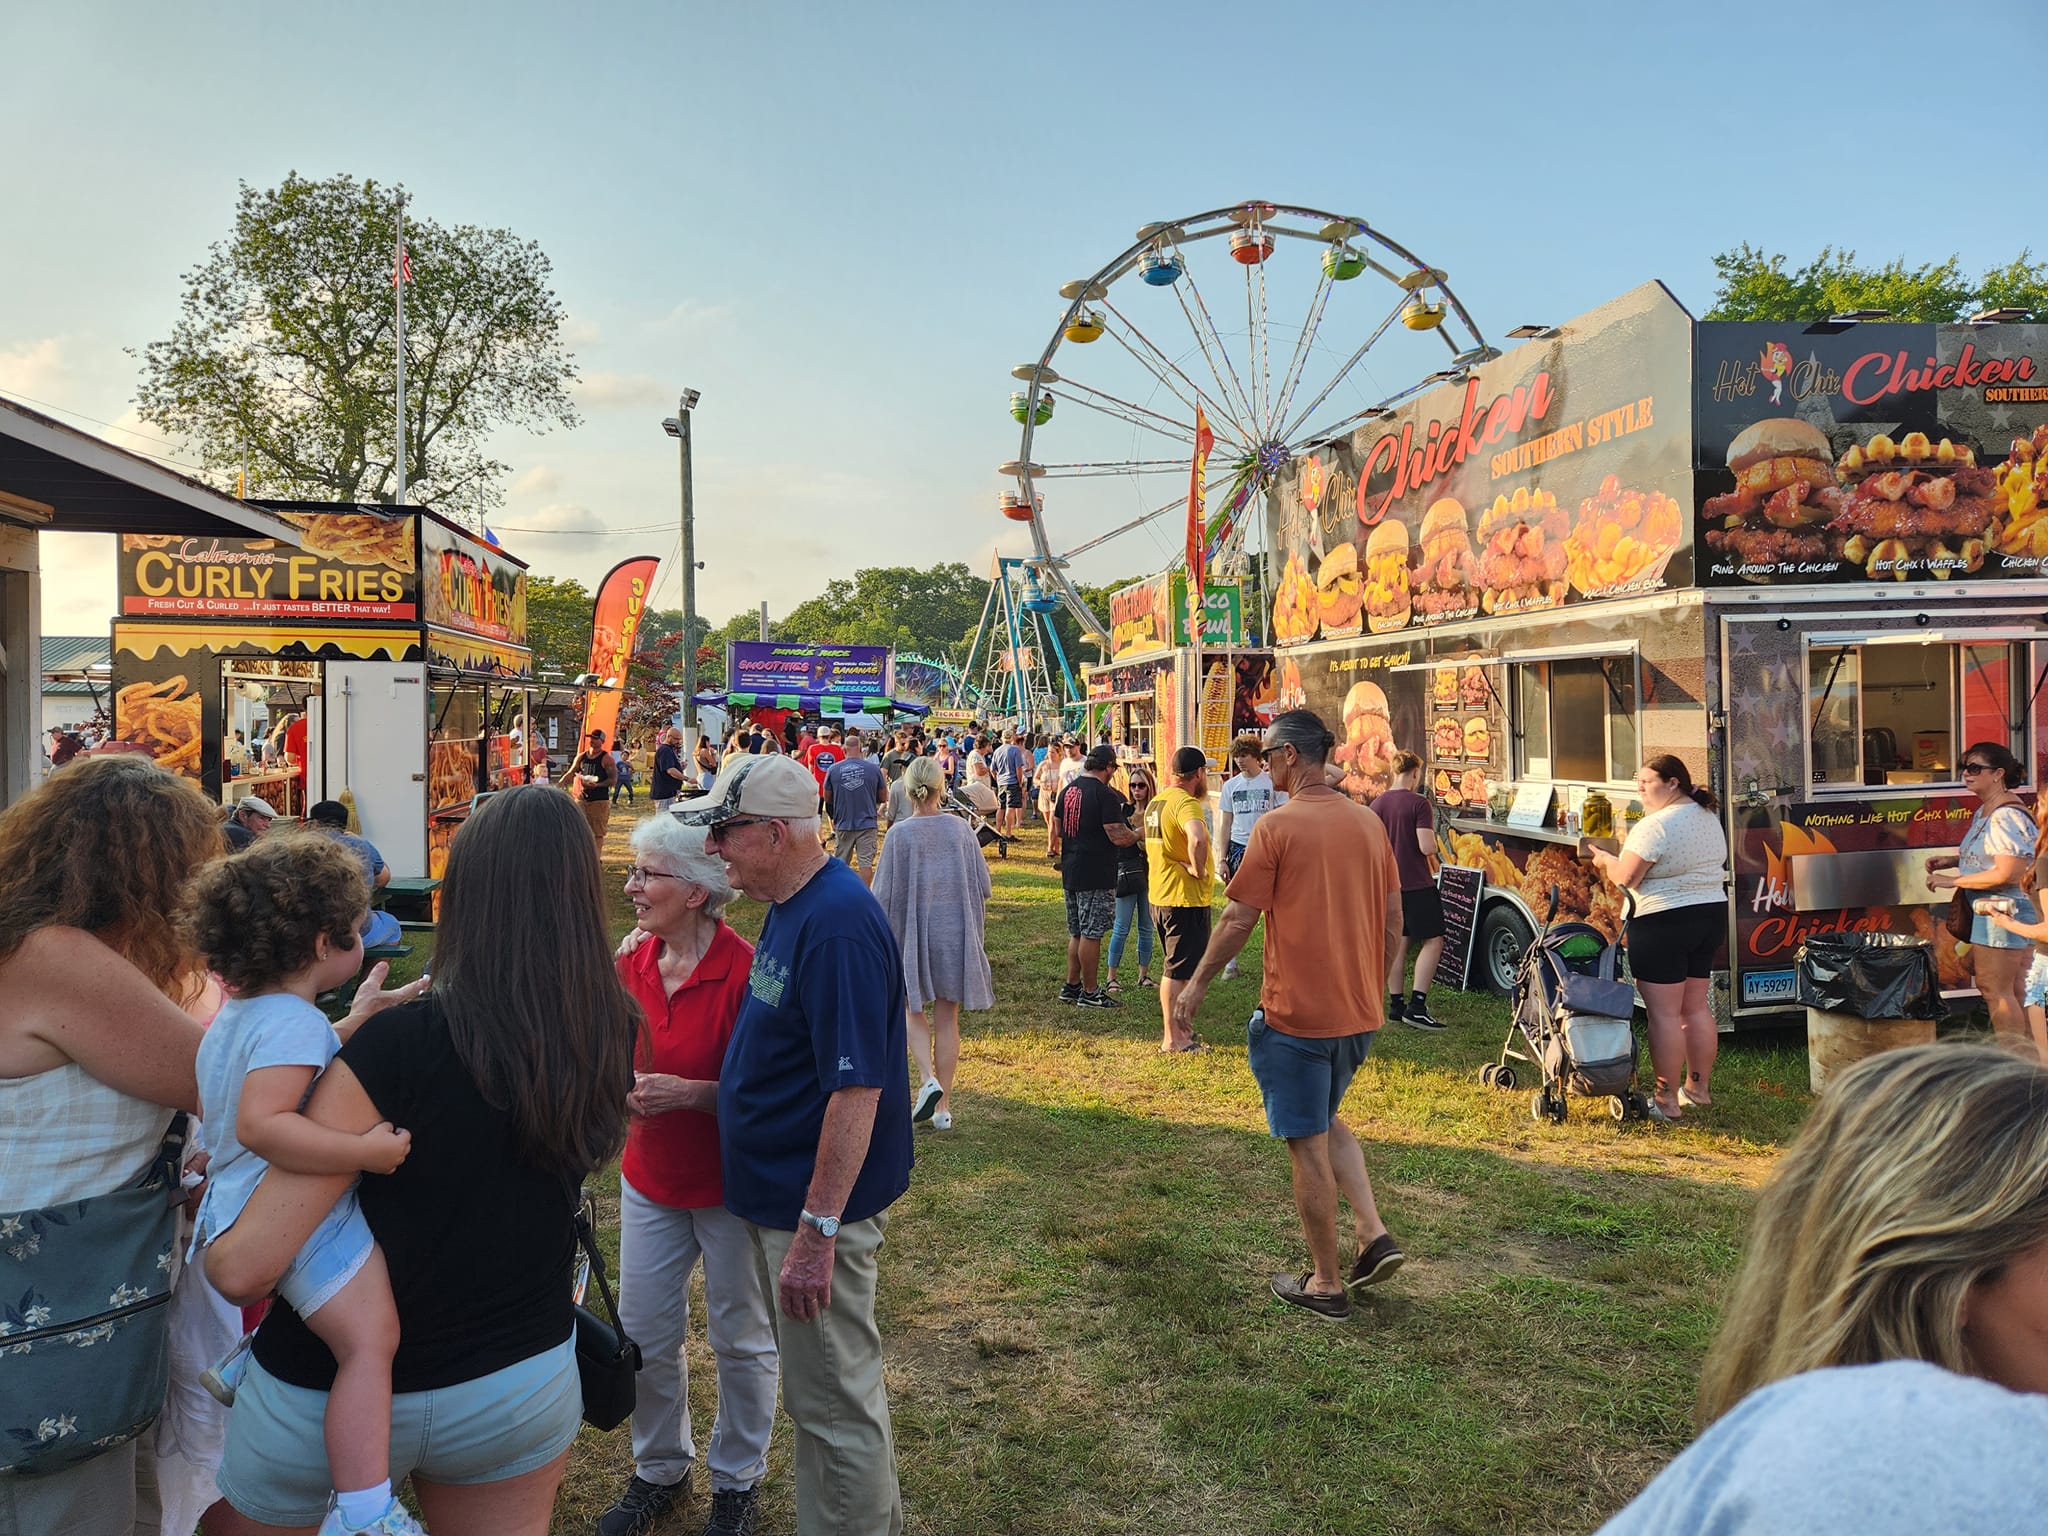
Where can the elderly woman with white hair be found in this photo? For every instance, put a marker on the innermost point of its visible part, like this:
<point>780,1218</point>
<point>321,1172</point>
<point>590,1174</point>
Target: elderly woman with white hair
<point>688,971</point>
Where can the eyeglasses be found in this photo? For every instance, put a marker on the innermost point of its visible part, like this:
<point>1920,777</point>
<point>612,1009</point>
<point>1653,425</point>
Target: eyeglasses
<point>637,875</point>
<point>725,829</point>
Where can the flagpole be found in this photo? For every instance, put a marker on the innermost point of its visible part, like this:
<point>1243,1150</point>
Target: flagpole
<point>398,288</point>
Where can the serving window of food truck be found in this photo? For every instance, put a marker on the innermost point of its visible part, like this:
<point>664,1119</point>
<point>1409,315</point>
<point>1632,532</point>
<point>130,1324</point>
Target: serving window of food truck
<point>1575,719</point>
<point>1898,709</point>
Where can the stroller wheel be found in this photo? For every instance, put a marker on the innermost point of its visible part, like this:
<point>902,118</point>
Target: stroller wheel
<point>1618,1107</point>
<point>1486,1075</point>
<point>1539,1105</point>
<point>1504,1077</point>
<point>1557,1109</point>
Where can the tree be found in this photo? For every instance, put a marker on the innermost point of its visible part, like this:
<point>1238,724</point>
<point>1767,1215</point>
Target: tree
<point>1759,286</point>
<point>913,610</point>
<point>653,691</point>
<point>283,355</point>
<point>558,621</point>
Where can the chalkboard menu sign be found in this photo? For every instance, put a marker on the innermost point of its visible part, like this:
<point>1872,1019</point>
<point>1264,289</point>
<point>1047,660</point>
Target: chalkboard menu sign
<point>1460,890</point>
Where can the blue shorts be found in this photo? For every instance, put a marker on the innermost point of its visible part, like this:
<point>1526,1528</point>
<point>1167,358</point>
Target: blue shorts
<point>2037,982</point>
<point>339,1247</point>
<point>501,1425</point>
<point>1984,932</point>
<point>1302,1080</point>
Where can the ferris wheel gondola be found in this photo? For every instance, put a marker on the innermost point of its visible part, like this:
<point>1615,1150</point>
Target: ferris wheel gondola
<point>1292,374</point>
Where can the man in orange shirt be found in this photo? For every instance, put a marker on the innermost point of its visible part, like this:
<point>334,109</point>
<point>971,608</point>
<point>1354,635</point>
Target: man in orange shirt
<point>1322,871</point>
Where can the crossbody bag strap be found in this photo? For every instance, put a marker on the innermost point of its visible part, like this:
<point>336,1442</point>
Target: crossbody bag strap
<point>588,1238</point>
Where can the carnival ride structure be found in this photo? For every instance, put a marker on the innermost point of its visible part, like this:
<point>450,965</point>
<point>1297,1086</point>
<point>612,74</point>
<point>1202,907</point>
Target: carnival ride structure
<point>1260,416</point>
<point>1024,676</point>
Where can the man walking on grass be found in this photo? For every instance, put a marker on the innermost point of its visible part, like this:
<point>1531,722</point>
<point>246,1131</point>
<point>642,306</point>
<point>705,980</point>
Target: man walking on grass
<point>814,1131</point>
<point>1090,822</point>
<point>1182,884</point>
<point>1322,871</point>
<point>1013,773</point>
<point>854,789</point>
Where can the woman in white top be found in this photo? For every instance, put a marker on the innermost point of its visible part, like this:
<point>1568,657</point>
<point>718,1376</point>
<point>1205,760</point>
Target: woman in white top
<point>1675,862</point>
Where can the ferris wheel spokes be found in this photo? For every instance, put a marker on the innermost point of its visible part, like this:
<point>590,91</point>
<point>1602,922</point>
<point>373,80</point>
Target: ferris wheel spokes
<point>1223,418</point>
<point>1288,433</point>
<point>1127,411</point>
<point>1249,427</point>
<point>1297,363</point>
<point>1176,503</point>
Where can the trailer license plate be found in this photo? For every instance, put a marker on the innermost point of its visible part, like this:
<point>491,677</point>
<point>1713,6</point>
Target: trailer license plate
<point>1769,987</point>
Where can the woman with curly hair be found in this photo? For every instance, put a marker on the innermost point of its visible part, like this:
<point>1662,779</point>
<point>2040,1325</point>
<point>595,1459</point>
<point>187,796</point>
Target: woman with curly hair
<point>280,925</point>
<point>1884,1348</point>
<point>512,1076</point>
<point>95,1057</point>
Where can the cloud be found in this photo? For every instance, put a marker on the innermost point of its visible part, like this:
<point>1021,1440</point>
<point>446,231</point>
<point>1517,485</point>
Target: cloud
<point>537,481</point>
<point>696,315</point>
<point>603,390</point>
<point>562,517</point>
<point>578,332</point>
<point>34,369</point>
<point>78,582</point>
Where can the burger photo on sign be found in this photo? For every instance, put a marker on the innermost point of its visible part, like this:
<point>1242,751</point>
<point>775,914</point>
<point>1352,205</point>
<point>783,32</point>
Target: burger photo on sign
<point>1387,604</point>
<point>1338,592</point>
<point>1784,497</point>
<point>1366,754</point>
<point>1442,582</point>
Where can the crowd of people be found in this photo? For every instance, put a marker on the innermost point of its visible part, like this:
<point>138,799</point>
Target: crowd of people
<point>187,1133</point>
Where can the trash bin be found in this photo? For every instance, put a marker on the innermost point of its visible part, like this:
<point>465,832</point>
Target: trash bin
<point>1865,993</point>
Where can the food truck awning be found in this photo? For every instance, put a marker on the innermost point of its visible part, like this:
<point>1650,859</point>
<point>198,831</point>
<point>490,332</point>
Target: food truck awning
<point>54,476</point>
<point>824,703</point>
<point>1571,652</point>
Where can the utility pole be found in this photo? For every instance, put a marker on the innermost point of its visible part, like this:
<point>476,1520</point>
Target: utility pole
<point>678,427</point>
<point>764,621</point>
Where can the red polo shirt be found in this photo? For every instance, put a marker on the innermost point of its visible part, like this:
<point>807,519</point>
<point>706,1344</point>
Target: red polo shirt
<point>672,1158</point>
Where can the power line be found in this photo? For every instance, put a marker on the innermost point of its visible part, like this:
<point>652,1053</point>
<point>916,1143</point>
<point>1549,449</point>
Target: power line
<point>583,533</point>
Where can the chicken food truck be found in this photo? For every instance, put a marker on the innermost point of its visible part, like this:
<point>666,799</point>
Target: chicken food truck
<point>1805,559</point>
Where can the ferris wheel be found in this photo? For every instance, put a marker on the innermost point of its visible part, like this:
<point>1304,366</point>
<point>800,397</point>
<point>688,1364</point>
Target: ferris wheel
<point>1217,314</point>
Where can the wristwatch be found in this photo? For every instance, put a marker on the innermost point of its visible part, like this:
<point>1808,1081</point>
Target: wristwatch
<point>828,1226</point>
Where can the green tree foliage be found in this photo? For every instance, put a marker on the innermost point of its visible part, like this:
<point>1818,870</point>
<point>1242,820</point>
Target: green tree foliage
<point>931,611</point>
<point>283,355</point>
<point>1755,285</point>
<point>558,621</point>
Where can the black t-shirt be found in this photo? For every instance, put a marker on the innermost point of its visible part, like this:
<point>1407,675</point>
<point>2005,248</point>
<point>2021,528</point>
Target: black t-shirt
<point>600,765</point>
<point>1088,859</point>
<point>668,773</point>
<point>478,1244</point>
<point>893,764</point>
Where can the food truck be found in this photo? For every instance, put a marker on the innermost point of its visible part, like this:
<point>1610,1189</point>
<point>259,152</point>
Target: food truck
<point>384,656</point>
<point>1149,694</point>
<point>1804,558</point>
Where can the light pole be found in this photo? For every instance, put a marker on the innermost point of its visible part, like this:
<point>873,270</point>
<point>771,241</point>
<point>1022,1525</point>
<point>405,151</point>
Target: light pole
<point>678,427</point>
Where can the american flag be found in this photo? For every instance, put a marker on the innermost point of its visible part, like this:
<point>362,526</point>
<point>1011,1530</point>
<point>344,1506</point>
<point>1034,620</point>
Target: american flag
<point>402,272</point>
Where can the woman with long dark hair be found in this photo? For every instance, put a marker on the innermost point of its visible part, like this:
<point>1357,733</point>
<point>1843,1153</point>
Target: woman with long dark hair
<point>512,1076</point>
<point>1675,861</point>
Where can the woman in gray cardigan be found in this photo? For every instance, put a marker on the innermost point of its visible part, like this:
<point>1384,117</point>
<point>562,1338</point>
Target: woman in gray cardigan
<point>933,882</point>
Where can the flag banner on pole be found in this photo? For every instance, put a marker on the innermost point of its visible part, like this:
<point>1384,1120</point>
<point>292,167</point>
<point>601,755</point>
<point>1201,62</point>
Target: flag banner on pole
<point>615,625</point>
<point>402,271</point>
<point>1197,522</point>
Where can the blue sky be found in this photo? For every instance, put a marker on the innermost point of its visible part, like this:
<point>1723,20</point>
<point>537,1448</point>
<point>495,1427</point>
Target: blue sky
<point>845,224</point>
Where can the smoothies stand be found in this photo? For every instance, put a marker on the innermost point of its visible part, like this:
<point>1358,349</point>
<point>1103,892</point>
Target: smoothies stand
<point>1806,559</point>
<point>384,658</point>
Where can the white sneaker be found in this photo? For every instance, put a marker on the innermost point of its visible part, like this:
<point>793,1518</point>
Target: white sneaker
<point>396,1520</point>
<point>943,1120</point>
<point>927,1100</point>
<point>1229,970</point>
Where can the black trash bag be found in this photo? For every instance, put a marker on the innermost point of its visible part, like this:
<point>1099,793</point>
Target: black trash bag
<point>1872,975</point>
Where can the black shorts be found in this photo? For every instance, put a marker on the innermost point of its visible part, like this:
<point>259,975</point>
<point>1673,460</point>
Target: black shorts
<point>1184,937</point>
<point>1010,797</point>
<point>1669,948</point>
<point>1422,915</point>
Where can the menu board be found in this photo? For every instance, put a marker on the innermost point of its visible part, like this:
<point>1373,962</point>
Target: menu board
<point>768,666</point>
<point>1461,890</point>
<point>1558,473</point>
<point>1839,453</point>
<point>1464,736</point>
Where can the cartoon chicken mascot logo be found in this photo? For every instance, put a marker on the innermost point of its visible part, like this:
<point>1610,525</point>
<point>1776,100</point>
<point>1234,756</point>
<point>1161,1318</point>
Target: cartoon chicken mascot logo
<point>1774,363</point>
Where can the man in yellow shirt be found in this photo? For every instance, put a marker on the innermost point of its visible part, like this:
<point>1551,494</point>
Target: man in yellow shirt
<point>1182,884</point>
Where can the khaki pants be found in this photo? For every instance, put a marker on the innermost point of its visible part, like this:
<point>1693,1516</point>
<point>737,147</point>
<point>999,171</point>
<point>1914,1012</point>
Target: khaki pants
<point>599,814</point>
<point>832,1391</point>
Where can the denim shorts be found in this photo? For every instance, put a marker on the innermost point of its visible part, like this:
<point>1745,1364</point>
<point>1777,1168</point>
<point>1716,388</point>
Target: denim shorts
<point>1302,1079</point>
<point>2037,982</point>
<point>484,1431</point>
<point>338,1248</point>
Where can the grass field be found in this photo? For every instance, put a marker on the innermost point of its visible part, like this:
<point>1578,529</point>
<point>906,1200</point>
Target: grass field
<point>1073,1294</point>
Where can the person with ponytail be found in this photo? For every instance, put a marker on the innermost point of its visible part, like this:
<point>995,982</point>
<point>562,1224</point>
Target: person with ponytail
<point>1675,862</point>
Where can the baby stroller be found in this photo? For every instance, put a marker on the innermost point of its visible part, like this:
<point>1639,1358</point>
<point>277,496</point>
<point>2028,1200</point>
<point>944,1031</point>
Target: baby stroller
<point>1573,1015</point>
<point>976,804</point>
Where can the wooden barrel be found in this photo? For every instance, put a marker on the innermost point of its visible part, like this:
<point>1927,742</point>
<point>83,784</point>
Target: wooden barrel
<point>1838,1040</point>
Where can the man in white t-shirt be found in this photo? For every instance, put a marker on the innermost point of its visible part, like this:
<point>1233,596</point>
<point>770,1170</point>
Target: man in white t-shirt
<point>1071,758</point>
<point>1246,796</point>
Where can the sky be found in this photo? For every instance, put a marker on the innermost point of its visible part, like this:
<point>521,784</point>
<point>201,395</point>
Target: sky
<point>844,225</point>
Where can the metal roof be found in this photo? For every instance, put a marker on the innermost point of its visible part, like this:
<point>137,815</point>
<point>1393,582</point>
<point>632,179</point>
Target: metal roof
<point>56,476</point>
<point>67,659</point>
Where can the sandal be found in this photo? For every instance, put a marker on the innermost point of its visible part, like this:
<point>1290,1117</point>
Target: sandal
<point>1690,1100</point>
<point>1112,985</point>
<point>1654,1111</point>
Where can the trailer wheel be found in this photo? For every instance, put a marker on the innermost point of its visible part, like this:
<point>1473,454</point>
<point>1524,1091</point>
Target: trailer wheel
<point>1503,939</point>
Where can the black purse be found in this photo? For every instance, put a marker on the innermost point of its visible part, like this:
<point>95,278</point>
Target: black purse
<point>607,1362</point>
